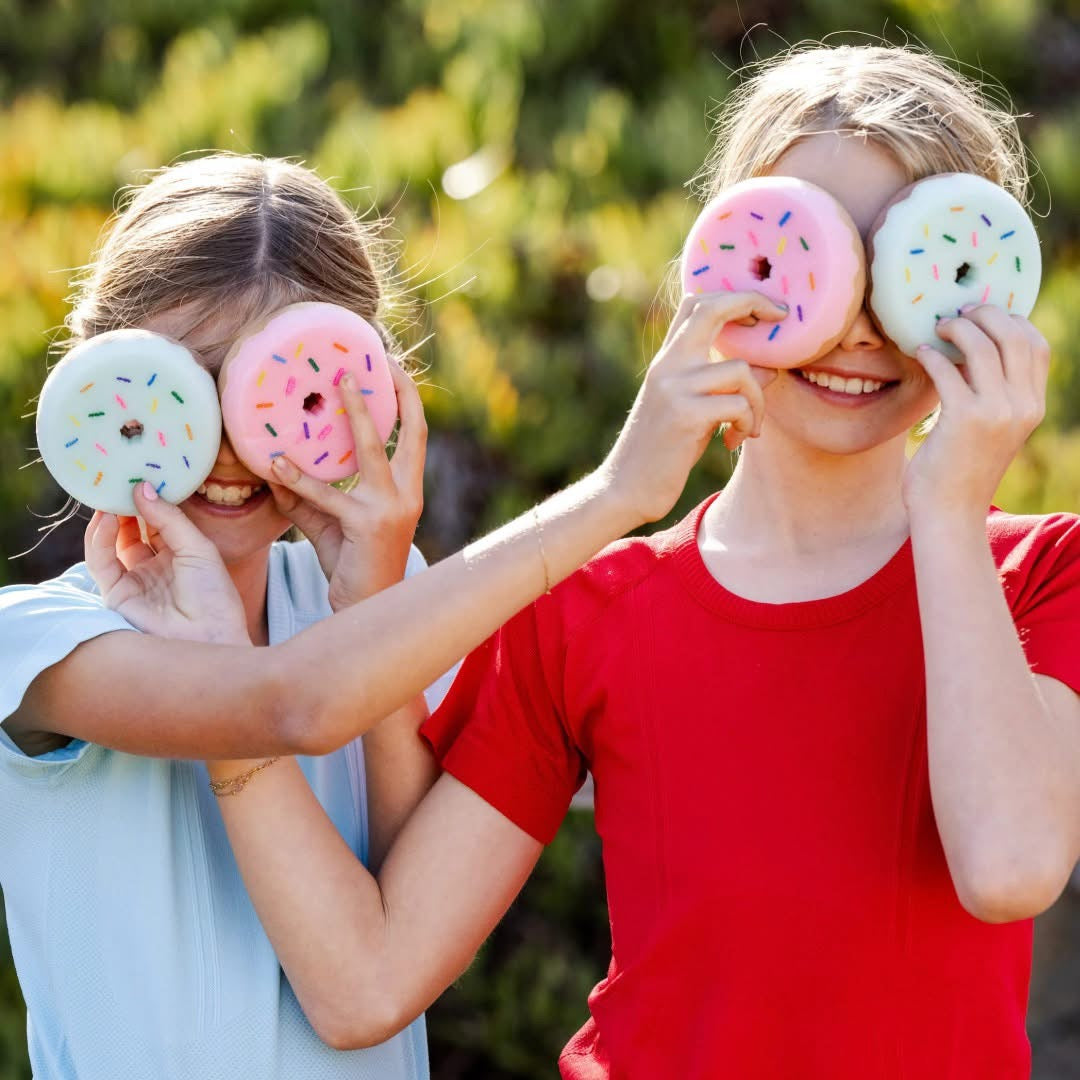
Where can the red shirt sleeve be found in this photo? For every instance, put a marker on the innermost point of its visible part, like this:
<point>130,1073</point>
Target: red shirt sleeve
<point>1040,570</point>
<point>501,730</point>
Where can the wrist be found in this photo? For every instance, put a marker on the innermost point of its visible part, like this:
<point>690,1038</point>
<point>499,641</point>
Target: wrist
<point>615,502</point>
<point>950,524</point>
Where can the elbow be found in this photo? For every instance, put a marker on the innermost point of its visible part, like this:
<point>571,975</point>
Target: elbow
<point>363,1025</point>
<point>1006,886</point>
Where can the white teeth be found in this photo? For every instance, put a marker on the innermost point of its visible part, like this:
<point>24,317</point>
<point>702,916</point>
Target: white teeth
<point>228,495</point>
<point>840,384</point>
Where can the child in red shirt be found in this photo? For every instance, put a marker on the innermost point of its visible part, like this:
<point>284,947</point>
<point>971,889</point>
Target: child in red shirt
<point>832,715</point>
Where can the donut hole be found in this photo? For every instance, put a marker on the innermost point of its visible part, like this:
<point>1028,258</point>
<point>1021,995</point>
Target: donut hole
<point>314,403</point>
<point>965,274</point>
<point>131,429</point>
<point>760,267</point>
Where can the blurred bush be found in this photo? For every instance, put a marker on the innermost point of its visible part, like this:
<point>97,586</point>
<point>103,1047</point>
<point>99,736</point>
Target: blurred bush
<point>533,155</point>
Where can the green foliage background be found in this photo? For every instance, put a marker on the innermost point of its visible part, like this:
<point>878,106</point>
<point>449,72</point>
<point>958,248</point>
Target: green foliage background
<point>580,122</point>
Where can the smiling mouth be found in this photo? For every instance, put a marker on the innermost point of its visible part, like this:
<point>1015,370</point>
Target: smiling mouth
<point>229,494</point>
<point>841,384</point>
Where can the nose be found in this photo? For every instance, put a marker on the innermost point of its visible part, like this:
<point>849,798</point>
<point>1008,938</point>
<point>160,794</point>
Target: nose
<point>862,335</point>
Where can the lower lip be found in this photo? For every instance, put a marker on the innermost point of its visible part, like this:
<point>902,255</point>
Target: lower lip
<point>838,397</point>
<point>222,510</point>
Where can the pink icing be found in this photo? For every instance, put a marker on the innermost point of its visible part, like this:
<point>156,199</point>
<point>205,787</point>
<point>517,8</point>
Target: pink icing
<point>794,243</point>
<point>281,390</point>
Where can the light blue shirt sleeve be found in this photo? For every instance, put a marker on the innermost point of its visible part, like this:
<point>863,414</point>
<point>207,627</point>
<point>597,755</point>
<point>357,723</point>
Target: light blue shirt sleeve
<point>39,626</point>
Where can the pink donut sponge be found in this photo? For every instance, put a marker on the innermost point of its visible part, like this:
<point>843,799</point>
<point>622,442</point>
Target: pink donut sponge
<point>791,241</point>
<point>280,389</point>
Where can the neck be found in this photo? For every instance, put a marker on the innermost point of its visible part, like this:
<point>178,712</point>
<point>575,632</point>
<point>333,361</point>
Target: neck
<point>249,575</point>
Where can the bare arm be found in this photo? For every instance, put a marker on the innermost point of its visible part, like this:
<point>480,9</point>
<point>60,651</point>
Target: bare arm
<point>335,680</point>
<point>366,956</point>
<point>1004,744</point>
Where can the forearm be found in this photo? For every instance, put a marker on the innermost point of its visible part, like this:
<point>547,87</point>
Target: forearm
<point>348,672</point>
<point>1003,767</point>
<point>399,770</point>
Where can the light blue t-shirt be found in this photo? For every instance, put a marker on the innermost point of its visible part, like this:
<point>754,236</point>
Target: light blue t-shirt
<point>139,953</point>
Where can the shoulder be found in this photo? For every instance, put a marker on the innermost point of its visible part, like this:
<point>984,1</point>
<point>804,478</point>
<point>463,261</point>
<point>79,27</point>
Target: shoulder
<point>1023,543</point>
<point>71,590</point>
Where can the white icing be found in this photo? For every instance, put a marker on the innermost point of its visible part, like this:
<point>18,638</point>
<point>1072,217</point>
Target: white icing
<point>128,377</point>
<point>993,249</point>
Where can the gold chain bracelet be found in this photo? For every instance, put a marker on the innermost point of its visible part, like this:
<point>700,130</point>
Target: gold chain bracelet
<point>235,784</point>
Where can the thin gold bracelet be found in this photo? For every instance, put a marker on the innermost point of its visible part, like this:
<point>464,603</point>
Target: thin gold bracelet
<point>540,544</point>
<point>235,784</point>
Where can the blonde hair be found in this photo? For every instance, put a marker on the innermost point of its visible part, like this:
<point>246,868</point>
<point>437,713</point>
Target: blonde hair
<point>906,100</point>
<point>229,235</point>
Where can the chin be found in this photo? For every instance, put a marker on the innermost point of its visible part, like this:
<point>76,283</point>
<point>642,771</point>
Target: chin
<point>239,538</point>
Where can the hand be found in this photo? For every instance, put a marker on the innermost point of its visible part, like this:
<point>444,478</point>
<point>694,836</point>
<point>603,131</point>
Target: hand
<point>362,537</point>
<point>990,403</point>
<point>685,397</point>
<point>174,584</point>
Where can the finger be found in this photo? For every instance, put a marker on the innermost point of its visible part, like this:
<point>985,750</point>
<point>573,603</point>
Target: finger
<point>99,547</point>
<point>981,357</point>
<point>731,409</point>
<point>949,383</point>
<point>307,518</point>
<point>1012,344</point>
<point>371,463</point>
<point>173,527</point>
<point>407,465</point>
<point>764,376</point>
<point>1040,356</point>
<point>322,496</point>
<point>730,377</point>
<point>131,548</point>
<point>709,316</point>
<point>682,313</point>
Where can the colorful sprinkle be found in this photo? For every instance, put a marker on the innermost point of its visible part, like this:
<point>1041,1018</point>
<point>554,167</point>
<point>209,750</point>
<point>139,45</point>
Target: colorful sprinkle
<point>68,445</point>
<point>1009,305</point>
<point>760,217</point>
<point>341,412</point>
<point>990,261</point>
<point>325,431</point>
<point>951,239</point>
<point>344,457</point>
<point>366,393</point>
<point>259,380</point>
<point>97,479</point>
<point>700,270</point>
<point>937,276</point>
<point>337,376</point>
<point>123,404</point>
<point>271,430</point>
<point>727,284</point>
<point>187,464</point>
<point>153,405</point>
<point>264,405</point>
<point>784,219</point>
<point>299,351</point>
<point>322,457</point>
<point>151,380</point>
<point>704,246</point>
<point>86,387</point>
<point>152,465</point>
<point>727,247</point>
<point>121,378</point>
<point>907,274</point>
<point>279,359</point>
<point>135,480</point>
<point>161,437</point>
<point>290,386</point>
<point>784,285</point>
<point>307,431</point>
<point>974,239</point>
<point>187,428</point>
<point>806,246</point>
<point>724,216</point>
<point>917,251</point>
<point>177,396</point>
<point>753,239</point>
<point>986,293</point>
<point>956,209</point>
<point>926,231</point>
<point>367,357</point>
<point>987,220</point>
<point>798,311</point>
<point>98,446</point>
<point>311,361</point>
<point>1006,235</point>
<point>918,298</point>
<point>780,247</point>
<point>774,331</point>
<point>159,487</point>
<point>90,414</point>
<point>277,453</point>
<point>82,465</point>
<point>811,280</point>
<point>1018,264</point>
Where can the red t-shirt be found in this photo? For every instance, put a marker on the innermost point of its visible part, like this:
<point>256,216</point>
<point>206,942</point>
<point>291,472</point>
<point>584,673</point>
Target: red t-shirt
<point>780,903</point>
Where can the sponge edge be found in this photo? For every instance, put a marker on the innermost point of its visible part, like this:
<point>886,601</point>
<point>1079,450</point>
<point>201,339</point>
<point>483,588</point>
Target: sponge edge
<point>123,407</point>
<point>791,241</point>
<point>942,243</point>
<point>281,389</point>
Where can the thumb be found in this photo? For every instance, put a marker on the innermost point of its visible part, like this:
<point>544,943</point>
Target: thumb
<point>764,376</point>
<point>171,524</point>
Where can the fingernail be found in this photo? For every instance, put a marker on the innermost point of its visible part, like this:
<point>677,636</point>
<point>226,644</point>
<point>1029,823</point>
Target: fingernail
<point>968,307</point>
<point>148,491</point>
<point>349,381</point>
<point>284,469</point>
<point>783,307</point>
